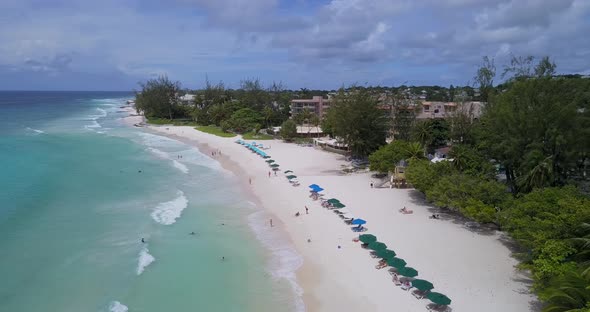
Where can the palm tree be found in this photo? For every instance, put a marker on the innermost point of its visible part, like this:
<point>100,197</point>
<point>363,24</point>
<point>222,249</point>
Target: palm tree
<point>582,244</point>
<point>267,112</point>
<point>315,121</point>
<point>460,155</point>
<point>539,175</point>
<point>415,150</point>
<point>569,292</point>
<point>422,133</point>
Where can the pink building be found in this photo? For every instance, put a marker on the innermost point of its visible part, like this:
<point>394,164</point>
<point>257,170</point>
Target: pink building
<point>316,104</point>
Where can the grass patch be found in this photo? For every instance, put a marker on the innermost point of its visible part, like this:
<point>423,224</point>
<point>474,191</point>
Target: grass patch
<point>159,121</point>
<point>259,136</point>
<point>215,131</point>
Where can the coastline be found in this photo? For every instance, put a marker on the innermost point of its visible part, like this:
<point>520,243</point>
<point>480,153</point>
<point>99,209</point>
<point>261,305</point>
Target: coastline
<point>339,275</point>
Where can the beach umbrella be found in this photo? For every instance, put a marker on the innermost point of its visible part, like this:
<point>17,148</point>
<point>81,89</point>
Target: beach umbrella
<point>377,246</point>
<point>314,186</point>
<point>275,169</point>
<point>358,221</point>
<point>338,205</point>
<point>422,285</point>
<point>333,201</point>
<point>396,263</point>
<point>270,161</point>
<point>385,254</point>
<point>291,177</point>
<point>367,238</point>
<point>289,171</point>
<point>438,298</point>
<point>274,165</point>
<point>407,272</point>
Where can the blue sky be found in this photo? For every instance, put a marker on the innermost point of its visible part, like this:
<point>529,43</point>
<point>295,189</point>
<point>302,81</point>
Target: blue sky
<point>113,44</point>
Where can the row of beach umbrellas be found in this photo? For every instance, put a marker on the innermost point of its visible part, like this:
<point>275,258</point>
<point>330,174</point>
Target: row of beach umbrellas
<point>402,269</point>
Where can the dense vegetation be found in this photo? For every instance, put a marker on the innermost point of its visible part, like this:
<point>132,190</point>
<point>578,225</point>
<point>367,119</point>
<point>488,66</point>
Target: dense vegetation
<point>534,132</point>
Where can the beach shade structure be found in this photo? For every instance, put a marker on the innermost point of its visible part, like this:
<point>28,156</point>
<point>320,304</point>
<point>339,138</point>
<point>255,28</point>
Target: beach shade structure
<point>385,254</point>
<point>289,171</point>
<point>314,186</point>
<point>338,205</point>
<point>270,161</point>
<point>274,165</point>
<point>358,221</point>
<point>377,246</point>
<point>422,285</point>
<point>367,238</point>
<point>438,298</point>
<point>407,272</point>
<point>333,201</point>
<point>275,169</point>
<point>396,263</point>
<point>291,177</point>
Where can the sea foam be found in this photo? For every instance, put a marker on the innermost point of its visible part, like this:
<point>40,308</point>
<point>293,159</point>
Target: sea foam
<point>285,260</point>
<point>36,130</point>
<point>117,306</point>
<point>144,260</point>
<point>166,213</point>
<point>178,165</point>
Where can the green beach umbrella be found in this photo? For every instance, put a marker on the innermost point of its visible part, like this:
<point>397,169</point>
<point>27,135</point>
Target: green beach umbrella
<point>396,263</point>
<point>274,165</point>
<point>438,298</point>
<point>289,171</point>
<point>385,254</point>
<point>422,285</point>
<point>407,272</point>
<point>377,246</point>
<point>270,161</point>
<point>291,177</point>
<point>338,205</point>
<point>367,238</point>
<point>333,201</point>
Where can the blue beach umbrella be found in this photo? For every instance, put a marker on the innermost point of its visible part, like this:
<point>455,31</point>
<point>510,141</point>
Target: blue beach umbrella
<point>317,190</point>
<point>359,221</point>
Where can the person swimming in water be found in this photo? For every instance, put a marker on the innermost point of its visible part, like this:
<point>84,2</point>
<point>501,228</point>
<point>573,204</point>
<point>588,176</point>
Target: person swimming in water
<point>142,240</point>
<point>192,233</point>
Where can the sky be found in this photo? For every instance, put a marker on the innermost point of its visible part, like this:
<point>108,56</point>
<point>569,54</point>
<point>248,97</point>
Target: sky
<point>314,44</point>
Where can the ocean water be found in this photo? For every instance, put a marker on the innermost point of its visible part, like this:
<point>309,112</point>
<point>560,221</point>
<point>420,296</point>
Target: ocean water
<point>78,192</point>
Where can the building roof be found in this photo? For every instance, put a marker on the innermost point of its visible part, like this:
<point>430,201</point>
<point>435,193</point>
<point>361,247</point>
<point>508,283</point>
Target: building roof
<point>309,129</point>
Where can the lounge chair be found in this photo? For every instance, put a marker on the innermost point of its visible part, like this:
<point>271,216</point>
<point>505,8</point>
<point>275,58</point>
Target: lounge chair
<point>395,279</point>
<point>438,308</point>
<point>359,229</point>
<point>348,221</point>
<point>373,254</point>
<point>406,286</point>
<point>380,265</point>
<point>419,294</point>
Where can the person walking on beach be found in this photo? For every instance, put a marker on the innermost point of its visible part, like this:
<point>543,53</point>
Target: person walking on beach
<point>269,174</point>
<point>306,210</point>
<point>250,181</point>
<point>270,222</point>
<point>371,184</point>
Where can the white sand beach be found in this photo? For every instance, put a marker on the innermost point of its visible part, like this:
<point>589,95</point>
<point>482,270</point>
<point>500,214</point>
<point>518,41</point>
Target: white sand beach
<point>475,270</point>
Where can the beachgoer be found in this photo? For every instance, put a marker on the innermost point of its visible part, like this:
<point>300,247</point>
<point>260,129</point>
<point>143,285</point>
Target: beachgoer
<point>297,214</point>
<point>306,210</point>
<point>192,233</point>
<point>371,184</point>
<point>275,173</point>
<point>250,180</point>
<point>309,240</point>
<point>222,258</point>
<point>269,174</point>
<point>139,171</point>
<point>142,240</point>
<point>270,222</point>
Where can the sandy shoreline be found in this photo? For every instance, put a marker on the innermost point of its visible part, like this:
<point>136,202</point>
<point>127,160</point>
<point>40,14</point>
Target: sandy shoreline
<point>474,270</point>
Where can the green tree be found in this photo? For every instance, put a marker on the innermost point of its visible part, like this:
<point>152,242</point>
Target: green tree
<point>242,120</point>
<point>485,77</point>
<point>355,117</point>
<point>159,98</point>
<point>288,130</point>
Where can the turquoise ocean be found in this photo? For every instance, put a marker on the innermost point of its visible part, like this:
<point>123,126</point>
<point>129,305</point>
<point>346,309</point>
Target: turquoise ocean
<point>78,192</point>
